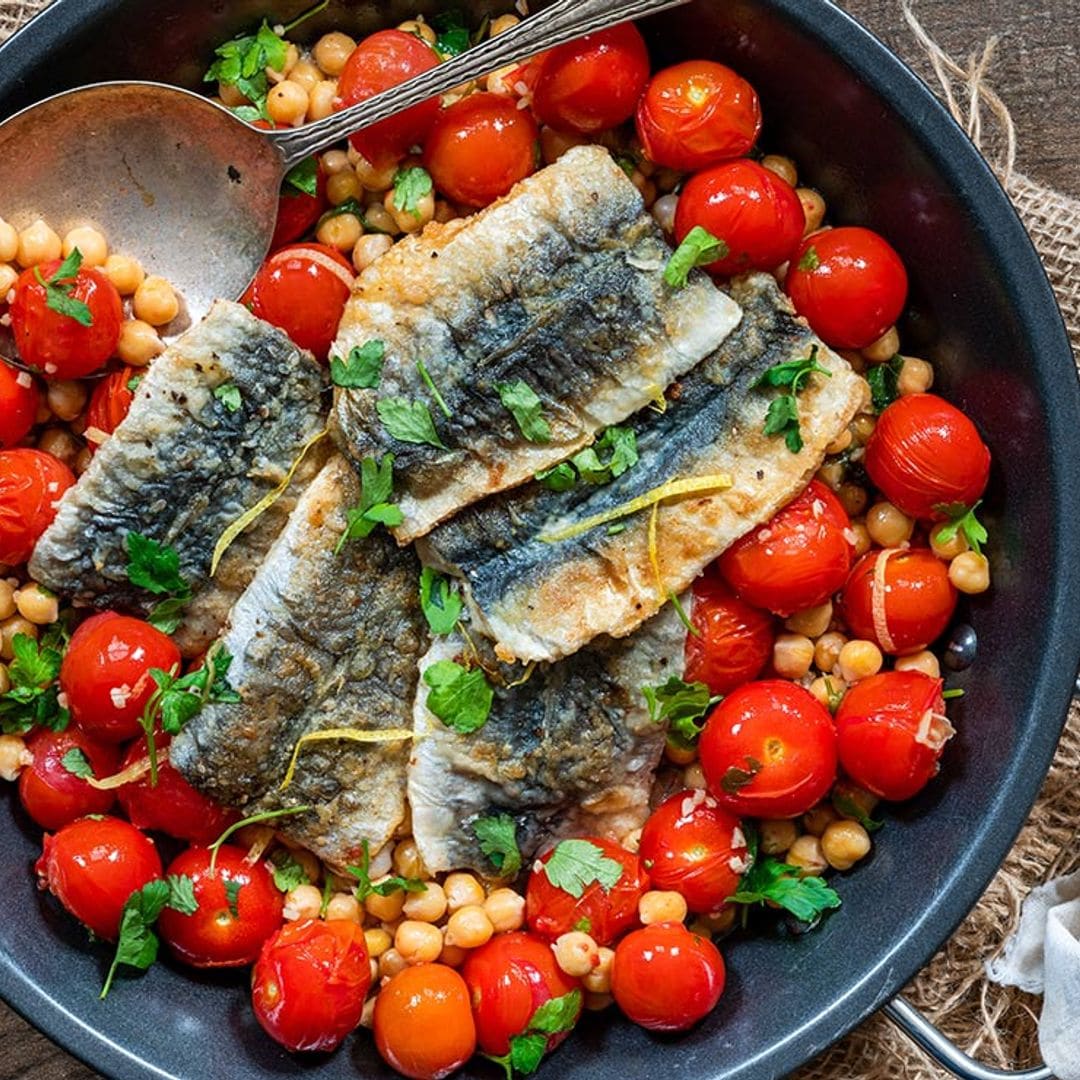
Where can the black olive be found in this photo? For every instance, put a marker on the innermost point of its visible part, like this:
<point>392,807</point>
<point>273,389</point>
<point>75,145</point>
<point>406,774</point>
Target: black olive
<point>961,648</point>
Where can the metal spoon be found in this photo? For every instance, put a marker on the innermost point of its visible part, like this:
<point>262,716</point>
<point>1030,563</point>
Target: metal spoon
<point>189,189</point>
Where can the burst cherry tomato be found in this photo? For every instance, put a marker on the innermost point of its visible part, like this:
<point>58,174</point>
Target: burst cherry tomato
<point>849,284</point>
<point>59,345</point>
<point>769,750</point>
<point>798,559</point>
<point>696,114</point>
<point>31,483</point>
<point>18,405</point>
<point>664,978</point>
<point>552,911</point>
<point>424,1026</point>
<point>106,673</point>
<point>480,148</point>
<point>299,211</point>
<point>734,640</point>
<point>239,909</point>
<point>696,848</point>
<point>926,457</point>
<point>50,792</point>
<point>753,211</point>
<point>379,62</point>
<point>509,978</point>
<point>309,983</point>
<point>594,83</point>
<point>110,401</point>
<point>891,731</point>
<point>93,865</point>
<point>902,599</point>
<point>302,290</point>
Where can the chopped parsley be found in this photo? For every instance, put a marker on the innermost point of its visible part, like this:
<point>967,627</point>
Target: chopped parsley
<point>304,176</point>
<point>433,389</point>
<point>520,400</point>
<point>769,880</point>
<point>375,507</point>
<point>459,697</point>
<point>409,421</point>
<point>133,383</point>
<point>613,453</point>
<point>952,695</point>
<point>229,396</point>
<point>497,835</point>
<point>182,894</point>
<point>963,519</point>
<point>680,705</point>
<point>33,699</point>
<point>453,37</point>
<point>574,865</point>
<point>232,896</point>
<point>700,248</point>
<point>884,380</point>
<point>410,186</point>
<point>561,477</point>
<point>78,764</point>
<point>527,1049</point>
<point>287,872</point>
<point>155,567</point>
<point>847,807</point>
<point>180,698</point>
<point>783,415</point>
<point>361,369</point>
<point>365,887</point>
<point>60,289</point>
<point>440,601</point>
<point>242,63</point>
<point>738,776</point>
<point>810,260</point>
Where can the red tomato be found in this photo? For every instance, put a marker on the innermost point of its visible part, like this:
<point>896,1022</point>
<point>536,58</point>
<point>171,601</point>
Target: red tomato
<point>734,640</point>
<point>769,750</point>
<point>926,456</point>
<point>480,147</point>
<point>106,673</point>
<point>694,847</point>
<point>379,62</point>
<point>59,345</point>
<point>31,483</point>
<point>309,983</point>
<point>431,999</point>
<point>302,290</point>
<point>224,932</point>
<point>696,114</point>
<point>509,978</point>
<point>891,731</point>
<point>798,559</point>
<point>299,212</point>
<point>551,911</point>
<point>849,284</point>
<point>594,83</point>
<point>902,599</point>
<point>110,401</point>
<point>665,978</point>
<point>53,795</point>
<point>18,405</point>
<point>752,210</point>
<point>93,865</point>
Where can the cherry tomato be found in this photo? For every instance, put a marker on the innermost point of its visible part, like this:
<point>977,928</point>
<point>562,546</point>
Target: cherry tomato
<point>798,559</point>
<point>901,599</point>
<point>31,483</point>
<point>110,401</point>
<point>769,750</point>
<point>379,62</point>
<point>302,290</point>
<point>926,456</point>
<point>551,911</point>
<point>734,640</point>
<point>424,1026</point>
<point>18,405</point>
<point>50,792</point>
<point>480,147</point>
<point>299,211</point>
<point>694,847</point>
<point>594,83</point>
<point>665,978</point>
<point>891,731</point>
<point>226,931</point>
<point>59,345</point>
<point>309,983</point>
<point>106,676</point>
<point>752,210</point>
<point>509,978</point>
<point>696,114</point>
<point>93,865</point>
<point>849,284</point>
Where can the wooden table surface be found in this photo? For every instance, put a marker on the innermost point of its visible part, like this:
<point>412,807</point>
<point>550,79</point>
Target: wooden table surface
<point>1037,72</point>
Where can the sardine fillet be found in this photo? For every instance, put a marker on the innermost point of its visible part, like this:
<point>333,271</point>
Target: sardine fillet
<point>559,284</point>
<point>542,600</point>
<point>569,752</point>
<point>319,641</point>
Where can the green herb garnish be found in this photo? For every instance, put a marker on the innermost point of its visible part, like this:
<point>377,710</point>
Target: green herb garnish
<point>409,421</point>
<point>410,186</point>
<point>365,888</point>
<point>304,176</point>
<point>810,260</point>
<point>287,872</point>
<point>229,396</point>
<point>497,835</point>
<point>527,1049</point>
<point>783,415</point>
<point>700,248</point>
<point>60,288</point>
<point>33,699</point>
<point>155,567</point>
<point>453,37</point>
<point>243,823</point>
<point>361,369</point>
<point>232,896</point>
<point>963,519</point>
<point>613,453</point>
<point>520,400</point>
<point>78,764</point>
<point>769,879</point>
<point>440,601</point>
<point>242,63</point>
<point>884,380</point>
<point>459,697</point>
<point>574,865</point>
<point>375,507</point>
<point>433,389</point>
<point>680,705</point>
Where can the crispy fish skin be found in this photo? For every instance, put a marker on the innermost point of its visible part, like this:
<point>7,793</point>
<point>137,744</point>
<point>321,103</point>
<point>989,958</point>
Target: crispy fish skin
<point>182,467</point>
<point>570,751</point>
<point>319,641</point>
<point>560,284</point>
<point>543,600</point>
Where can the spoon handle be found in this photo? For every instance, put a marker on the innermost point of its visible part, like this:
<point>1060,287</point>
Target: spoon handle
<point>560,22</point>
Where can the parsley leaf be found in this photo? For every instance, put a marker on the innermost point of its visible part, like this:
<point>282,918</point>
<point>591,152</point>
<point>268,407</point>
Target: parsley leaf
<point>179,699</point>
<point>77,763</point>
<point>137,945</point>
<point>229,396</point>
<point>232,895</point>
<point>613,453</point>
<point>453,37</point>
<point>783,415</point>
<point>133,382</point>
<point>361,369</point>
<point>304,176</point>
<point>440,601</point>
<point>527,1049</point>
<point>375,507</point>
<point>783,419</point>
<point>737,777</point>
<point>520,400</point>
<point>242,63</point>
<point>410,186</point>
<point>681,705</point>
<point>770,880</point>
<point>60,287</point>
<point>963,519</point>
<point>409,421</point>
<point>574,865</point>
<point>365,887</point>
<point>497,835</point>
<point>847,807</point>
<point>182,894</point>
<point>884,380</point>
<point>561,477</point>
<point>156,568</point>
<point>811,260</point>
<point>33,699</point>
<point>700,248</point>
<point>288,873</point>
<point>433,389</point>
<point>461,699</point>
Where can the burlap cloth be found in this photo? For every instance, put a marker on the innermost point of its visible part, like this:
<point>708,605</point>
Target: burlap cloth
<point>997,1025</point>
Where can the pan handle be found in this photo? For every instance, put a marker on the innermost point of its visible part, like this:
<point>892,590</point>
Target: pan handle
<point>932,1042</point>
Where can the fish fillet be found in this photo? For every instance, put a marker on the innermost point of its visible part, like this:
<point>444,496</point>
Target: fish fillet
<point>319,641</point>
<point>543,600</point>
<point>571,751</point>
<point>559,284</point>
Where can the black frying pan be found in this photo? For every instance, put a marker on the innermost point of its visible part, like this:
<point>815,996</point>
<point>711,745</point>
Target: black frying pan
<point>868,134</point>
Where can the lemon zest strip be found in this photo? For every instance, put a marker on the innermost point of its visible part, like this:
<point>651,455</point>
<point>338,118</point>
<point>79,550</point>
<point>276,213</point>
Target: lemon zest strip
<point>360,735</point>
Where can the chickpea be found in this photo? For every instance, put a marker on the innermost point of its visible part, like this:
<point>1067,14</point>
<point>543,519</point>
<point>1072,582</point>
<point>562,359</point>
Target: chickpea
<point>428,906</point>
<point>598,981</point>
<point>9,241</point>
<point>970,573</point>
<point>840,443</point>
<point>82,461</point>
<point>645,186</point>
<point>5,679</point>
<point>14,757</point>
<point>827,650</point>
<point>385,908</point>
<point>853,498</point>
<point>372,178</point>
<point>8,276</point>
<point>377,941</point>
<point>813,206</point>
<point>292,58</point>
<point>862,427</point>
<point>576,953</point>
<point>418,942</point>
<point>92,245</point>
<point>378,219</point>
<point>287,103</point>
<point>420,29</point>
<point>390,963</point>
<point>885,348</point>
<point>659,906</point>
<point>818,818</point>
<point>322,99</point>
<point>501,24</point>
<point>831,474</point>
<point>776,837</point>
<point>341,231</point>
<point>861,538</point>
<point>125,273</point>
<point>694,777</point>
<point>784,167</point>
<point>156,302</point>
<point>230,96</point>
<point>792,655</point>
<point>37,244</point>
<point>407,862</point>
<point>369,247</point>
<point>924,661</point>
<point>844,843</point>
<point>411,221</point>
<point>469,927</point>
<point>346,907</point>
<point>888,526</point>
<point>306,75</point>
<point>7,599</point>
<point>916,377</point>
<point>806,854</point>
<point>9,629</point>
<point>335,161</point>
<point>663,212</point>
<point>139,343</point>
<point>37,604</point>
<point>813,622</point>
<point>679,755</point>
<point>859,660</point>
<point>303,902</point>
<point>462,890</point>
<point>553,144</point>
<point>829,690</point>
<point>506,910</point>
<point>67,398</point>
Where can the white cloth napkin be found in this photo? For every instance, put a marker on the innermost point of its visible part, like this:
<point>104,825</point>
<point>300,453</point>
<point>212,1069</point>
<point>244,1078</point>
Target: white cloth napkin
<point>1043,957</point>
